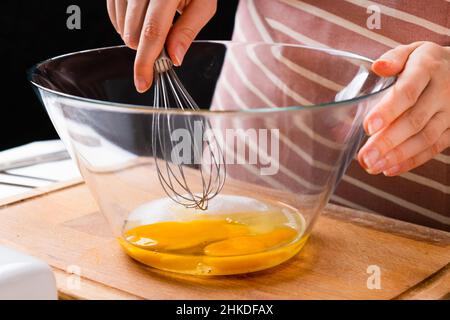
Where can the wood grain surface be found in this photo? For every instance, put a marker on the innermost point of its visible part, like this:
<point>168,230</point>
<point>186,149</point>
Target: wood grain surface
<point>63,226</point>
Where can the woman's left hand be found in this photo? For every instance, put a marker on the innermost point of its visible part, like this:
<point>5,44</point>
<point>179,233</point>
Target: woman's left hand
<point>411,124</point>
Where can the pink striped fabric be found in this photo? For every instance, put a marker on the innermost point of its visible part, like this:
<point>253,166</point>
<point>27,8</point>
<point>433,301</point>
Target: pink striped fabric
<point>420,196</point>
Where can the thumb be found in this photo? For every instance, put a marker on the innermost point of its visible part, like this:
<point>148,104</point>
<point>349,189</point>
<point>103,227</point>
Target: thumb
<point>393,61</point>
<point>194,17</point>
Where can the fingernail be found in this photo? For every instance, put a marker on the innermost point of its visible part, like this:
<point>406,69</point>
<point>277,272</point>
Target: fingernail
<point>382,67</point>
<point>179,55</point>
<point>392,171</point>
<point>371,157</point>
<point>141,84</point>
<point>375,125</point>
<point>384,63</point>
<point>378,167</point>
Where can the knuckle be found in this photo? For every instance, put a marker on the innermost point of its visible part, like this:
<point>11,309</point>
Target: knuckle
<point>152,30</point>
<point>436,148</point>
<point>431,46</point>
<point>442,121</point>
<point>430,135</point>
<point>431,63</point>
<point>188,33</point>
<point>411,163</point>
<point>401,48</point>
<point>388,113</point>
<point>386,143</point>
<point>398,154</point>
<point>410,94</point>
<point>417,120</point>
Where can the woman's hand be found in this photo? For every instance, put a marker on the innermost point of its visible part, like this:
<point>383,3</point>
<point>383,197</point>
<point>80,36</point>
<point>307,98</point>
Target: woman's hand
<point>411,124</point>
<point>145,24</point>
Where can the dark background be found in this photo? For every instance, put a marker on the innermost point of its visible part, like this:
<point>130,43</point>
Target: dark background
<point>34,30</point>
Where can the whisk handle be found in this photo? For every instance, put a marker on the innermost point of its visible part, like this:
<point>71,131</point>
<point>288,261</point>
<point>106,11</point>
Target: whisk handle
<point>163,62</point>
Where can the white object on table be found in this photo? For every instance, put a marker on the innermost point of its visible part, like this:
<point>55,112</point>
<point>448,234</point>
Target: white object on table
<point>25,277</point>
<point>17,180</point>
<point>23,168</point>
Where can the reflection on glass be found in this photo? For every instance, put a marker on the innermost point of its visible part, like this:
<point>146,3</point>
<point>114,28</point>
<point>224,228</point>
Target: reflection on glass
<point>285,121</point>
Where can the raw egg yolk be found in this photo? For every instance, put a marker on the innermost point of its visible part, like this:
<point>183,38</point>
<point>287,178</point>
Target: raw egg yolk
<point>183,235</point>
<point>243,245</point>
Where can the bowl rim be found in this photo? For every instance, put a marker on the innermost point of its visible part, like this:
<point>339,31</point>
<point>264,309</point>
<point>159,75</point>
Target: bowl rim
<point>136,108</point>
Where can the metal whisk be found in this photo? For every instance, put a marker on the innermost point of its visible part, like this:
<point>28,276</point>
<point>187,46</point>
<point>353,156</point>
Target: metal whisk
<point>171,160</point>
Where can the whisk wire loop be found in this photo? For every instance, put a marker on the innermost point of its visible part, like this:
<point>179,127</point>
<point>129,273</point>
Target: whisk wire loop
<point>169,91</point>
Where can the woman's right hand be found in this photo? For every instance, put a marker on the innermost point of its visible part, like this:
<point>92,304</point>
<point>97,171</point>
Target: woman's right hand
<point>146,26</point>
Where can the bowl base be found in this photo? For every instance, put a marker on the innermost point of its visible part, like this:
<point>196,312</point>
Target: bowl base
<point>234,235</point>
<point>213,266</point>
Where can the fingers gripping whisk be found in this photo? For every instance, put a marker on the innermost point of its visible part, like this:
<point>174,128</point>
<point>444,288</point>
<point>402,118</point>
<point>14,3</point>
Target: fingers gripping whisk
<point>163,63</point>
<point>188,158</point>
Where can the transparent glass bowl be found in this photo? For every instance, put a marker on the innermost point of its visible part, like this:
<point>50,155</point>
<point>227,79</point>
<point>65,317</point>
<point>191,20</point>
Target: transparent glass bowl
<point>286,119</point>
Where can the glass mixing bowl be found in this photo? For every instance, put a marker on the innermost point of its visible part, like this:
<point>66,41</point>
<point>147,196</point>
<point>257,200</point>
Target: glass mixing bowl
<point>277,126</point>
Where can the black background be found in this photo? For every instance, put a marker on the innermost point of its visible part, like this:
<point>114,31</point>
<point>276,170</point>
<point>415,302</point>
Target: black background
<point>281,309</point>
<point>34,30</point>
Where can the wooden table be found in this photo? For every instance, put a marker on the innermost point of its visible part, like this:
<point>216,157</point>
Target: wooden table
<point>62,225</point>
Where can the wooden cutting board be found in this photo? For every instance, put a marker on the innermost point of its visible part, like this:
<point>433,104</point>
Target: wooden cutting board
<point>63,226</point>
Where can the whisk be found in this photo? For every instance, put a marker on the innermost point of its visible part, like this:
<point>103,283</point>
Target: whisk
<point>205,154</point>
